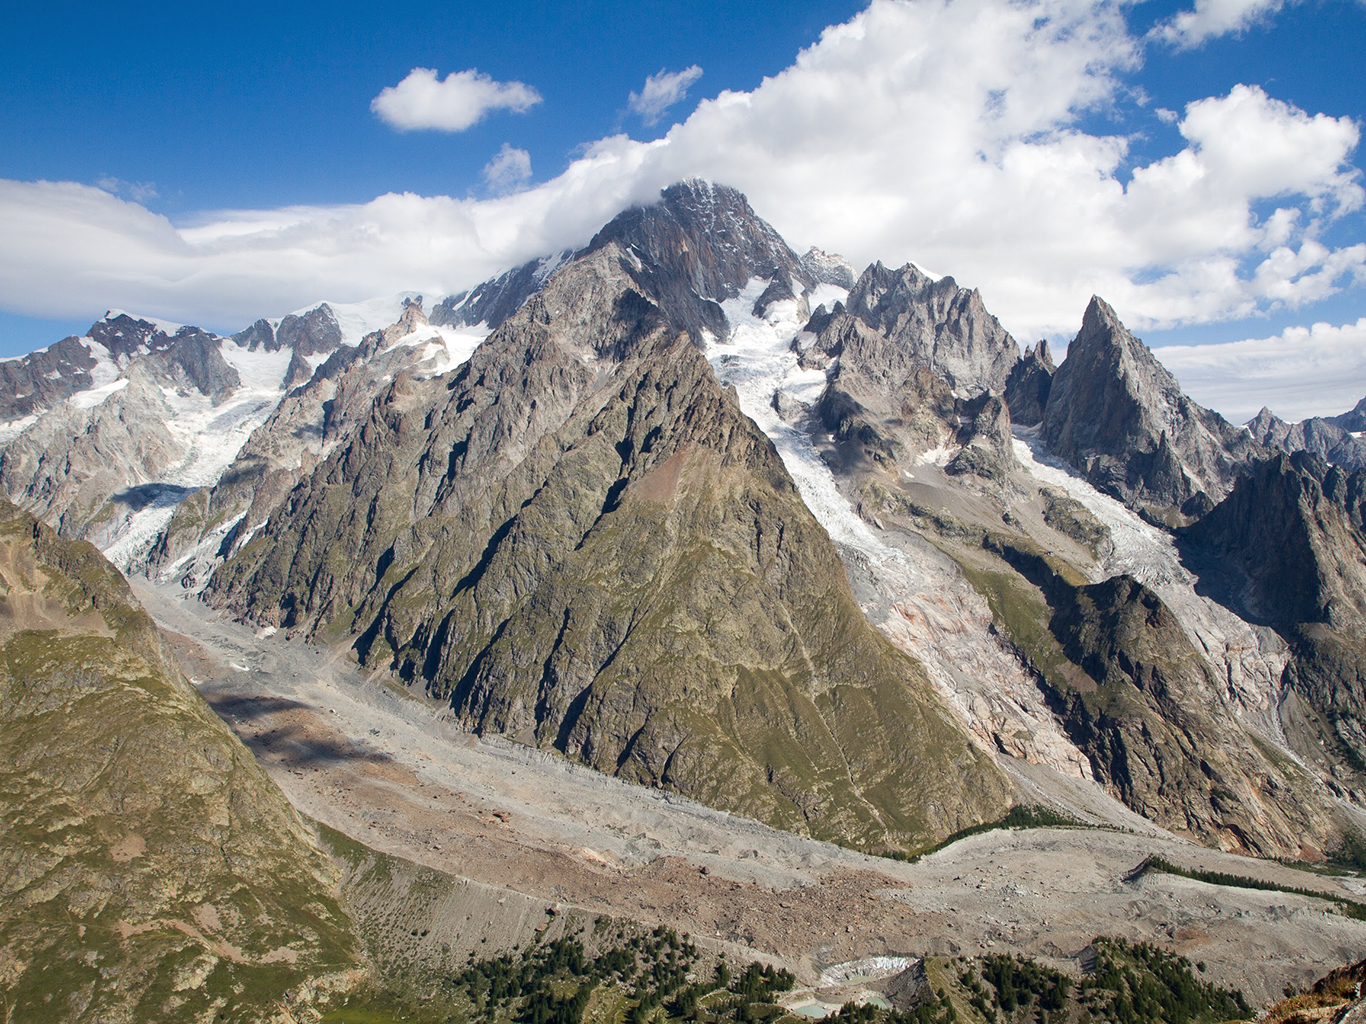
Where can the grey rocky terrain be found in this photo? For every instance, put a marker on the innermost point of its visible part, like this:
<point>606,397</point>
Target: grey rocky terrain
<point>683,524</point>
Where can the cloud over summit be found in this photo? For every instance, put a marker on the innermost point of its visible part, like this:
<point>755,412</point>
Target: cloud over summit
<point>946,133</point>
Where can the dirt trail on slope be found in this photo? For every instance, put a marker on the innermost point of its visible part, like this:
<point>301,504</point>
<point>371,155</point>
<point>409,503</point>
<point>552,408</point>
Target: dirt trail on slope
<point>389,770</point>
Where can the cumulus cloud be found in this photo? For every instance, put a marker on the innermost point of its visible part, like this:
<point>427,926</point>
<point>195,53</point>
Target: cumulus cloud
<point>449,104</point>
<point>509,170</point>
<point>1301,372</point>
<point>1211,18</point>
<point>662,91</point>
<point>947,132</point>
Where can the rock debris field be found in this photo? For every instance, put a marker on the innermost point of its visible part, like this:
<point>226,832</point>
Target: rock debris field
<point>386,768</point>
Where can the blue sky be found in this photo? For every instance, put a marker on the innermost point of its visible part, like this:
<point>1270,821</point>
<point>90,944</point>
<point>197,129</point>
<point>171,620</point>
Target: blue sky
<point>187,115</point>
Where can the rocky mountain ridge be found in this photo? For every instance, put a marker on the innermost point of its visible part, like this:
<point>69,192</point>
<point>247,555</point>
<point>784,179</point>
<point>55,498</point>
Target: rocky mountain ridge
<point>579,540</point>
<point>897,399</point>
<point>1117,414</point>
<point>1321,437</point>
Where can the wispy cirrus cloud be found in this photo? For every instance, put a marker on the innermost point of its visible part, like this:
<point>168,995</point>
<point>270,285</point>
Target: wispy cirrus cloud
<point>451,104</point>
<point>661,92</point>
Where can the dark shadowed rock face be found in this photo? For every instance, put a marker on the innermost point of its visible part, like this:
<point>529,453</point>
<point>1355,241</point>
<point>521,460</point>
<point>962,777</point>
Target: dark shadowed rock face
<point>695,248</point>
<point>1317,436</point>
<point>125,336</point>
<point>260,335</point>
<point>1354,421</point>
<point>153,871</point>
<point>43,378</point>
<point>1117,415</point>
<point>1028,386</point>
<point>1136,695</point>
<point>579,540</point>
<point>313,332</point>
<point>495,300</point>
<point>194,359</point>
<point>1293,528</point>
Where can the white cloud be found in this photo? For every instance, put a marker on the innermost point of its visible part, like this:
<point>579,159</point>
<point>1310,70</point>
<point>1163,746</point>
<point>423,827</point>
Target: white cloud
<point>662,91</point>
<point>509,170</point>
<point>1211,18</point>
<point>1302,372</point>
<point>940,131</point>
<point>451,104</point>
<point>138,191</point>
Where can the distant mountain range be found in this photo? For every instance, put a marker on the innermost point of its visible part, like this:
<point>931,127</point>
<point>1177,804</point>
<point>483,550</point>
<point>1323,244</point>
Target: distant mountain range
<point>818,546</point>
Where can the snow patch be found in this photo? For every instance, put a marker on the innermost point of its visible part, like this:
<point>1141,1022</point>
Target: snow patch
<point>260,371</point>
<point>826,295</point>
<point>357,319</point>
<point>105,370</point>
<point>12,429</point>
<point>95,396</point>
<point>166,327</point>
<point>442,349</point>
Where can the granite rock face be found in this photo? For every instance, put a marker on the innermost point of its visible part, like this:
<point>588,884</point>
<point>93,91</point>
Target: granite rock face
<point>579,540</point>
<point>495,300</point>
<point>1029,384</point>
<point>1317,436</point>
<point>41,379</point>
<point>885,407</point>
<point>1354,421</point>
<point>1295,531</point>
<point>73,460</point>
<point>695,248</point>
<point>902,320</point>
<point>153,871</point>
<point>1119,416</point>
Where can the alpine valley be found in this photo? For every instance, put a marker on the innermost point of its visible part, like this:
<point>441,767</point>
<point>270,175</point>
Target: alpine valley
<point>679,628</point>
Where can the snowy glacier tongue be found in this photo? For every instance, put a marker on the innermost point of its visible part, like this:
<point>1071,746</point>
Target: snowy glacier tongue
<point>1140,549</point>
<point>757,358</point>
<point>1249,660</point>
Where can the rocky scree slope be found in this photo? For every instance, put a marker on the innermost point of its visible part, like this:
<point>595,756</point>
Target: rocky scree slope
<point>151,869</point>
<point>580,541</point>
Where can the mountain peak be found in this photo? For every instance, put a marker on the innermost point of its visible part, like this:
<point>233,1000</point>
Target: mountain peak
<point>1109,408</point>
<point>697,246</point>
<point>1100,315</point>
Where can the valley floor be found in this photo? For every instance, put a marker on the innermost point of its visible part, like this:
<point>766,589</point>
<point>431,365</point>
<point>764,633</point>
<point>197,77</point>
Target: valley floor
<point>528,828</point>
